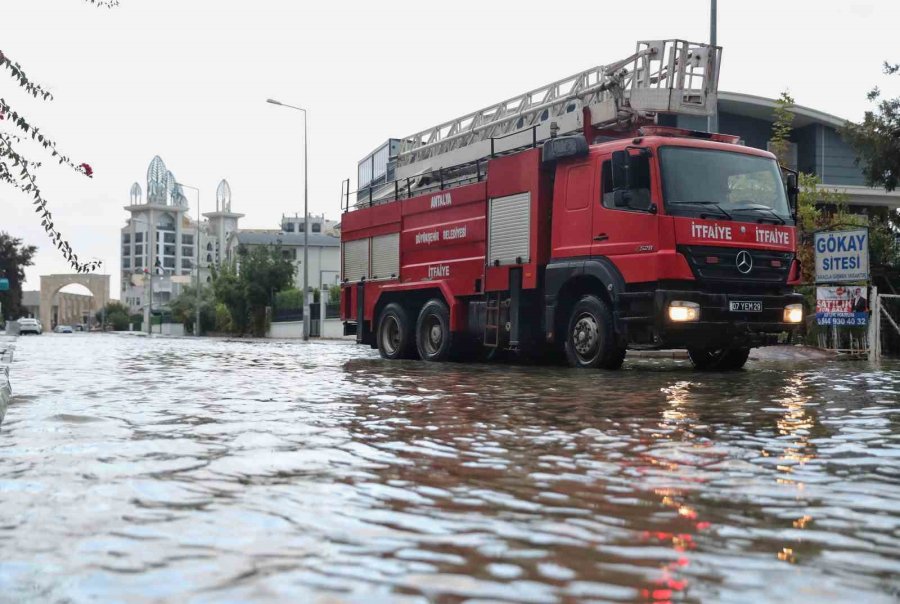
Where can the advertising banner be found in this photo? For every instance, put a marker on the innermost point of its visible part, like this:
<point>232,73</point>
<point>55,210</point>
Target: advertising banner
<point>842,256</point>
<point>842,305</point>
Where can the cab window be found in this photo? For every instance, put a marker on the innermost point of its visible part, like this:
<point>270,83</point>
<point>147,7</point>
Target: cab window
<point>640,195</point>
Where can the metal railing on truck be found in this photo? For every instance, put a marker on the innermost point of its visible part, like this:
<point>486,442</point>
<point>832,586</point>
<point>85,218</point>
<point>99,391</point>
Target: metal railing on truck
<point>432,180</point>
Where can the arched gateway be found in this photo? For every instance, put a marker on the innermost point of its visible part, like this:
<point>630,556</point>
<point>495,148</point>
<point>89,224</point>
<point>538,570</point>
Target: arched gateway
<point>51,284</point>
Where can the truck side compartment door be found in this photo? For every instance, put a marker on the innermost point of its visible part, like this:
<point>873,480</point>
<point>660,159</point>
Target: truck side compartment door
<point>627,234</point>
<point>575,192</point>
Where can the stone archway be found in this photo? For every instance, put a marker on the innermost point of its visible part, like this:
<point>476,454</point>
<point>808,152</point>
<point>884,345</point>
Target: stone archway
<point>51,284</point>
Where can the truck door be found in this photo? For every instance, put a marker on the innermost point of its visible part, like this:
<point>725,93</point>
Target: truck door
<point>575,195</point>
<point>625,225</point>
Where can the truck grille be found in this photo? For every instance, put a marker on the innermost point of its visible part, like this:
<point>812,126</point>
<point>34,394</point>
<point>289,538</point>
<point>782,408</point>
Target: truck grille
<point>721,264</point>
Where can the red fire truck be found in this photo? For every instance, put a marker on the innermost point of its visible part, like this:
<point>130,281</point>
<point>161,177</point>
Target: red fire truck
<point>505,230</point>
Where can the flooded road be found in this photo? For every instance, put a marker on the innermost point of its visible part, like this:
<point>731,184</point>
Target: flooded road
<point>135,469</point>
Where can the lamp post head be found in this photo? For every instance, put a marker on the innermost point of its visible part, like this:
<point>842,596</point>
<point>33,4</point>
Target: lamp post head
<point>273,101</point>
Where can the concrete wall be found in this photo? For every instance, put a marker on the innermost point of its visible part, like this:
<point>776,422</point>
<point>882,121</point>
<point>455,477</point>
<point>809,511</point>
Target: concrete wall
<point>292,330</point>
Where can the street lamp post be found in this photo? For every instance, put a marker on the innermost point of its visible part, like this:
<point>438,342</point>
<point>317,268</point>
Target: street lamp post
<point>305,220</point>
<point>197,266</point>
<point>713,119</point>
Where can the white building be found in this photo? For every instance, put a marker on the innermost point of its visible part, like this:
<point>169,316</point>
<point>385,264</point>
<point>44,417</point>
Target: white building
<point>160,233</point>
<point>317,224</point>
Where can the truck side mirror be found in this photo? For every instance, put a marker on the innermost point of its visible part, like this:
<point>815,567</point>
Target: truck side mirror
<point>620,161</point>
<point>793,191</point>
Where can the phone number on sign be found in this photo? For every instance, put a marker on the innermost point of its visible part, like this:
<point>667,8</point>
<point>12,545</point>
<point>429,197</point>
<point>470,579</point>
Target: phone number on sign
<point>841,320</point>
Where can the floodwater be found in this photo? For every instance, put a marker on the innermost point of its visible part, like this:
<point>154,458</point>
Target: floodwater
<point>136,469</point>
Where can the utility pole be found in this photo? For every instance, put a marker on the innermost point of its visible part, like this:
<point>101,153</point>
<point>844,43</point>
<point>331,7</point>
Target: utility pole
<point>713,120</point>
<point>305,219</point>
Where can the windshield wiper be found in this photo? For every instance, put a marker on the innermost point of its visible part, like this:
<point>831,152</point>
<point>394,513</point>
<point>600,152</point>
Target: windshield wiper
<point>714,204</point>
<point>773,213</point>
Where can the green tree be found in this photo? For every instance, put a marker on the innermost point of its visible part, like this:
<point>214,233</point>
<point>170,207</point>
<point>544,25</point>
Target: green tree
<point>184,308</point>
<point>264,270</point>
<point>334,295</point>
<point>16,167</point>
<point>247,292</point>
<point>116,316</point>
<point>14,257</point>
<point>229,292</point>
<point>783,125</point>
<point>877,138</point>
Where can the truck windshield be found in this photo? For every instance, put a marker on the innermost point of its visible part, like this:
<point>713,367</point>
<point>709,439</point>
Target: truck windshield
<point>723,183</point>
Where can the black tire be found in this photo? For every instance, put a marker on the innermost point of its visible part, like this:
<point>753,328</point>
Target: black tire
<point>394,336</point>
<point>719,359</point>
<point>434,340</point>
<point>590,338</point>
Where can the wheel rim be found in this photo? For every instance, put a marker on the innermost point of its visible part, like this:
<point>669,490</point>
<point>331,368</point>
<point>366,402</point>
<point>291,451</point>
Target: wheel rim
<point>586,337</point>
<point>433,333</point>
<point>390,335</point>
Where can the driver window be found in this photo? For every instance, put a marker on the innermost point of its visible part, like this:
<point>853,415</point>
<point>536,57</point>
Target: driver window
<point>640,196</point>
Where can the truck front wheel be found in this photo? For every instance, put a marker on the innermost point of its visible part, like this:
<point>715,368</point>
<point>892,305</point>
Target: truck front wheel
<point>433,336</point>
<point>590,340</point>
<point>721,359</point>
<point>394,335</point>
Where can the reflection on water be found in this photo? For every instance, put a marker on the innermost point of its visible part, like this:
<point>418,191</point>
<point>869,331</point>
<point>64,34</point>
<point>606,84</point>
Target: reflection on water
<point>168,469</point>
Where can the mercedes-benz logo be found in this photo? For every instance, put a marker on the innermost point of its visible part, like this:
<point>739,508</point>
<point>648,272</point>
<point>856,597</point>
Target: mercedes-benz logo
<point>744,262</point>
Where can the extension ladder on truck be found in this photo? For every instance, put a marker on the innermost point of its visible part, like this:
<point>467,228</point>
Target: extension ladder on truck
<point>662,76</point>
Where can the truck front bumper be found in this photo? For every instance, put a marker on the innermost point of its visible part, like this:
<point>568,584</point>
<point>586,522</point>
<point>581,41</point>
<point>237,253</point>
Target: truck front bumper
<point>719,326</point>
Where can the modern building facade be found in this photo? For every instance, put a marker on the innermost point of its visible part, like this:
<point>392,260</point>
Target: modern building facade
<point>162,240</point>
<point>816,144</point>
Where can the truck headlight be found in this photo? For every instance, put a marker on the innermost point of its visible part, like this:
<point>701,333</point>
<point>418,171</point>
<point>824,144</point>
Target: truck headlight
<point>681,311</point>
<point>793,313</point>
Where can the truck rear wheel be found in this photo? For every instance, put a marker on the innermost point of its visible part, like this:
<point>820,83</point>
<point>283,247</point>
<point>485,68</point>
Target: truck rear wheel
<point>434,339</point>
<point>394,336</point>
<point>591,340</point>
<point>721,359</point>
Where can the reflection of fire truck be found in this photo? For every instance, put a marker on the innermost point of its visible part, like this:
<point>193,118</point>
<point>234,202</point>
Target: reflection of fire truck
<point>506,230</point>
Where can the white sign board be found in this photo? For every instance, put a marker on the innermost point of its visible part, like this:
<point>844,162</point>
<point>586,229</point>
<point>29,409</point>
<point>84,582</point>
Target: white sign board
<point>842,256</point>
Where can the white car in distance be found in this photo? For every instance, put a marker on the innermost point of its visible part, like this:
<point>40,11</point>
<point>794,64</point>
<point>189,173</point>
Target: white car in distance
<point>30,326</point>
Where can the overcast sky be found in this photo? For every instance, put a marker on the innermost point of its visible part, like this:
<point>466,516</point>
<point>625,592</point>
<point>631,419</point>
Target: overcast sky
<point>188,80</point>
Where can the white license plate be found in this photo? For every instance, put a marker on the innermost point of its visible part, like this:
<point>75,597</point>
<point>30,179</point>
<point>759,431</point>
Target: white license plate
<point>745,306</point>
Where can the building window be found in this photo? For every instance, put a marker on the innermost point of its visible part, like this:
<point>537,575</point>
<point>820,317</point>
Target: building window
<point>209,257</point>
<point>126,263</point>
<point>301,226</point>
<point>169,237</point>
<point>126,238</point>
<point>287,254</point>
<point>186,263</point>
<point>187,250</point>
<point>169,262</point>
<point>208,279</point>
<point>288,227</point>
<point>169,250</point>
<point>209,247</point>
<point>317,227</point>
<point>187,239</point>
<point>138,250</point>
<point>138,237</point>
<point>126,251</point>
